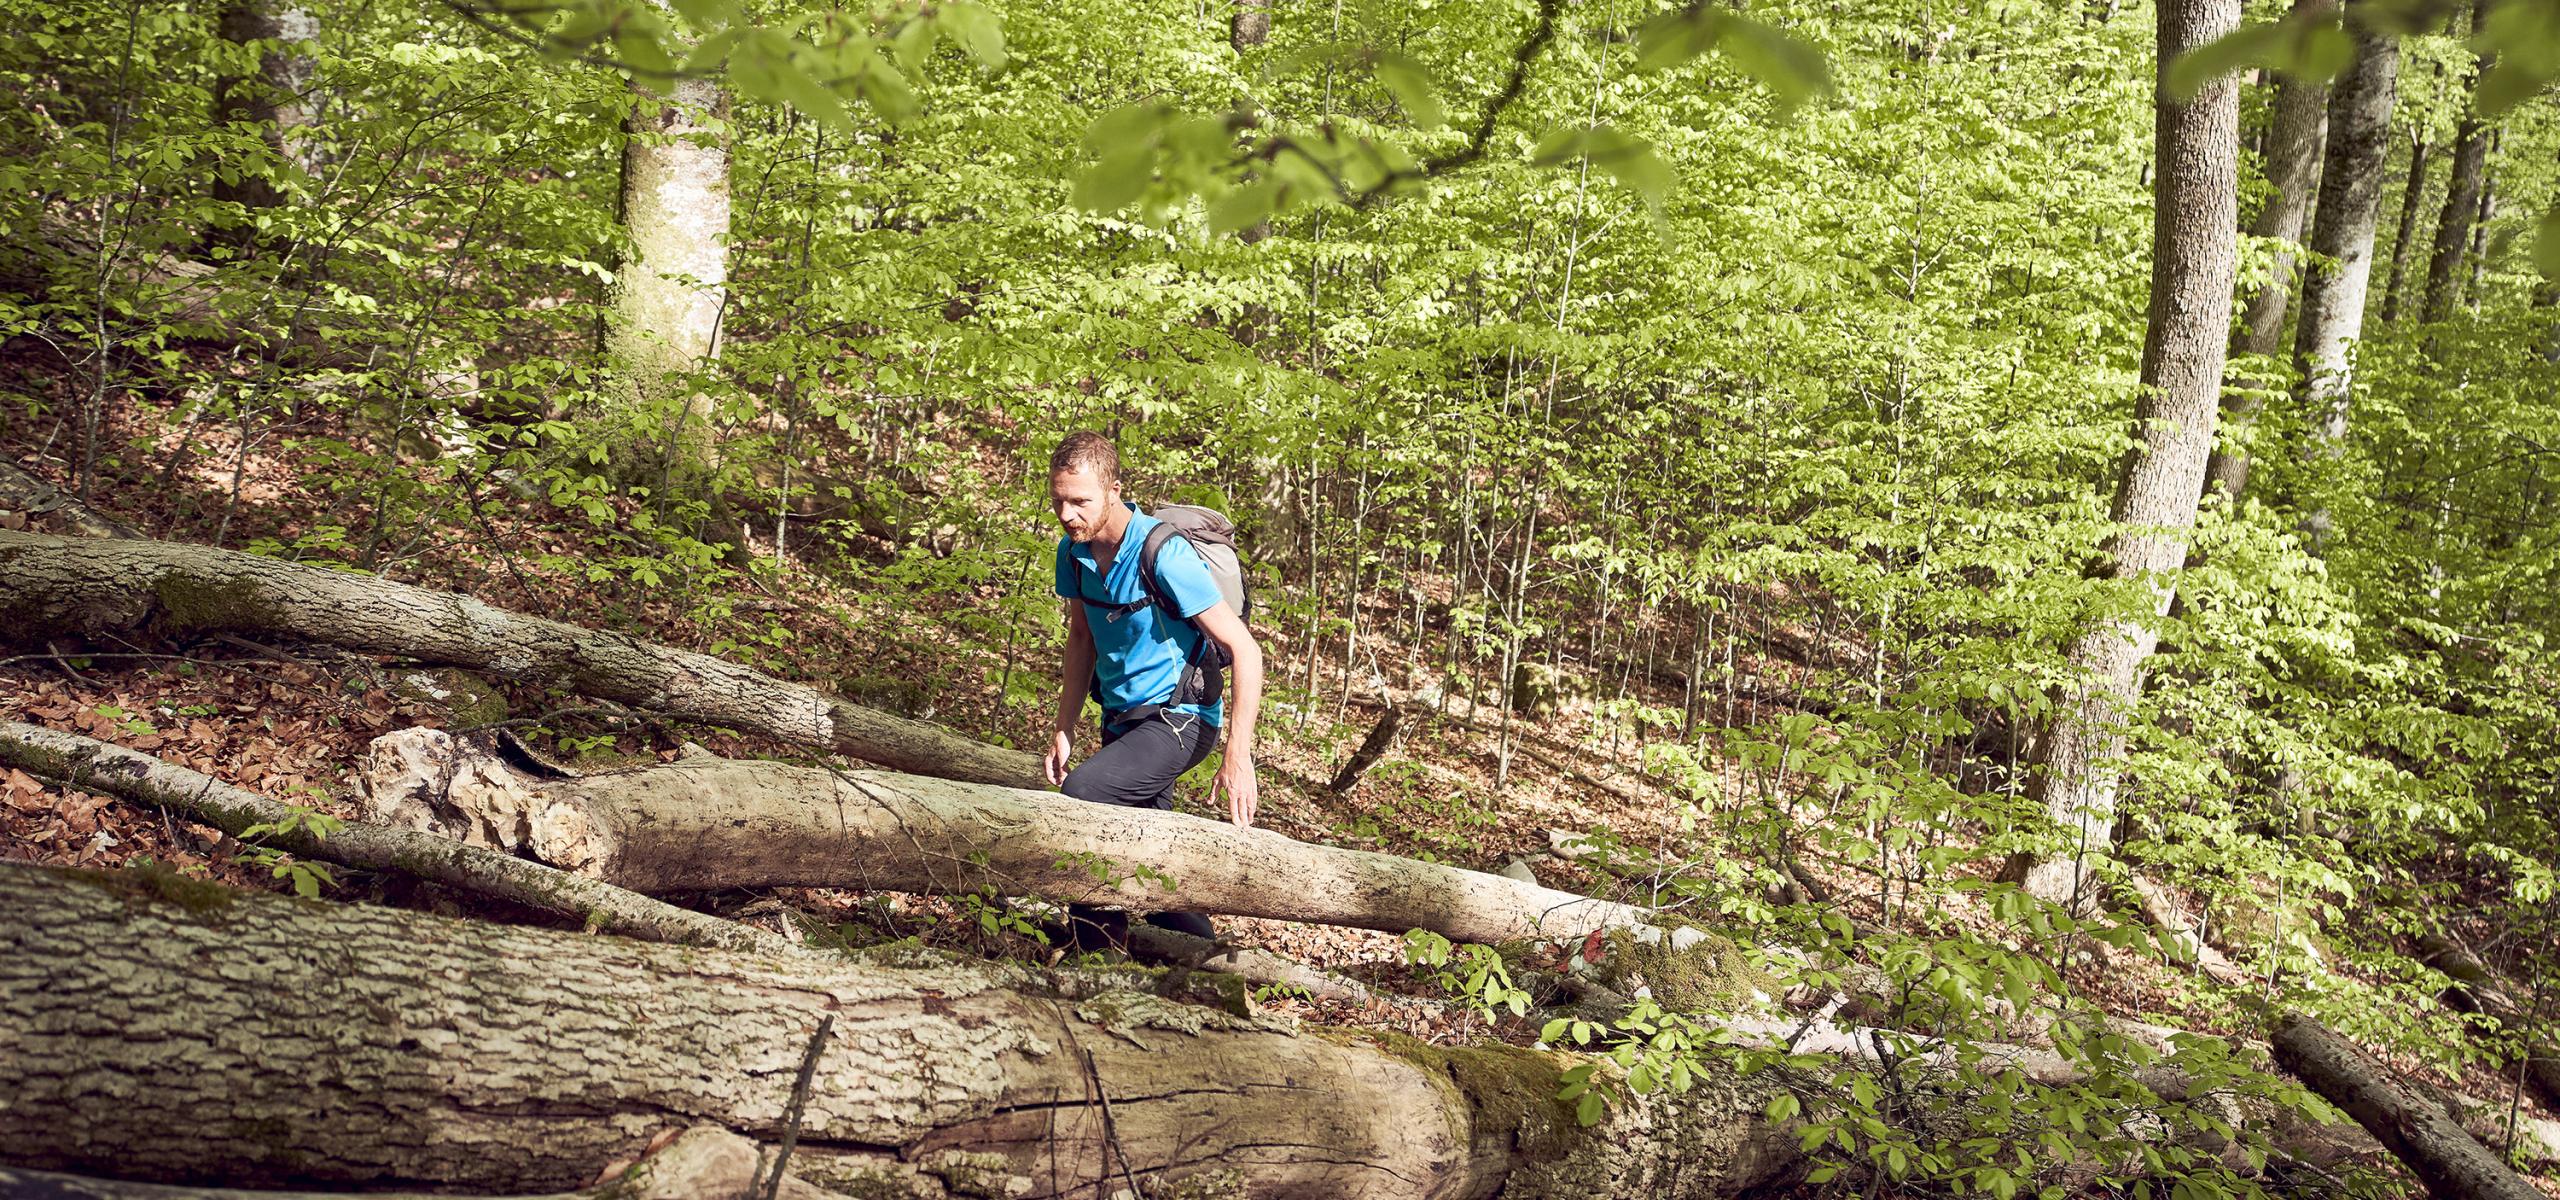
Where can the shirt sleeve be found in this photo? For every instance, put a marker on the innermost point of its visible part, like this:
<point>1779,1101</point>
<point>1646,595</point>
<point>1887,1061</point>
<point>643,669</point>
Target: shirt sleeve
<point>1186,578</point>
<point>1065,577</point>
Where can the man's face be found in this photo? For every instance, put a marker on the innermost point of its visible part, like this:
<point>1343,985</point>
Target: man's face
<point>1083,502</point>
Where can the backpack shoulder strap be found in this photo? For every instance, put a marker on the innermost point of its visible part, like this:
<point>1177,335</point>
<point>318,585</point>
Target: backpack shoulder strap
<point>1147,577</point>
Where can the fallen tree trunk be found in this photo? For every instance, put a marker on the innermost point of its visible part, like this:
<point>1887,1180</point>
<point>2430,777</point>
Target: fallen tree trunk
<point>55,585</point>
<point>707,822</point>
<point>2477,989</point>
<point>188,1033</point>
<point>704,1163</point>
<point>35,499</point>
<point>98,766</point>
<point>2419,1133</point>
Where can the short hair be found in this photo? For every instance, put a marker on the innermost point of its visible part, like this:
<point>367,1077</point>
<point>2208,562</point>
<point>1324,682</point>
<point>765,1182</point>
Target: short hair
<point>1086,451</point>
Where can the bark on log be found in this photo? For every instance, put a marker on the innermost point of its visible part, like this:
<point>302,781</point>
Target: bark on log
<point>36,499</point>
<point>704,1163</point>
<point>136,776</point>
<point>2420,1134</point>
<point>709,822</point>
<point>200,1034</point>
<point>53,585</point>
<point>1382,738</point>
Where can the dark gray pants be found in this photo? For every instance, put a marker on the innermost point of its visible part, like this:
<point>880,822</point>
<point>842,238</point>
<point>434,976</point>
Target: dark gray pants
<point>1136,768</point>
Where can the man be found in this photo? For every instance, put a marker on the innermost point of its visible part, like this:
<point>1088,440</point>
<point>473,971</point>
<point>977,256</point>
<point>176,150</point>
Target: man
<point>1161,714</point>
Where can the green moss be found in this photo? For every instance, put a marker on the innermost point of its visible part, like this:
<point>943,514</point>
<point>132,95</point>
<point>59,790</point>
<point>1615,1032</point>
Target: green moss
<point>469,700</point>
<point>185,603</point>
<point>1712,975</point>
<point>1509,1092</point>
<point>151,881</point>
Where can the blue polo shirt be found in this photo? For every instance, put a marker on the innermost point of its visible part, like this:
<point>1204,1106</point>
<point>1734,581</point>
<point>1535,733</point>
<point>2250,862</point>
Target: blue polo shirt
<point>1140,657</point>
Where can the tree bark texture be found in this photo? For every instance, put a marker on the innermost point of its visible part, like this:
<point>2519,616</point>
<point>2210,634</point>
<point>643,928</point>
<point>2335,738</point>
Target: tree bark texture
<point>675,208</point>
<point>2297,126</point>
<point>199,1035</point>
<point>33,499</point>
<point>1249,24</point>
<point>2411,193</point>
<point>2444,1157</point>
<point>2333,297</point>
<point>708,823</point>
<point>273,100</point>
<point>2195,254</point>
<point>2462,197</point>
<point>704,1163</point>
<point>54,585</point>
<point>98,766</point>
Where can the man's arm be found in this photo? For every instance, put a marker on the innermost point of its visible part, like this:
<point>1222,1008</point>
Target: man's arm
<point>1071,694</point>
<point>1235,773</point>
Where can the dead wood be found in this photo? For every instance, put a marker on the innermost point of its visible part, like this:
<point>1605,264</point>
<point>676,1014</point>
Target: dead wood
<point>89,586</point>
<point>179,1032</point>
<point>708,822</point>
<point>2478,989</point>
<point>2420,1133</point>
<point>33,499</point>
<point>704,1163</point>
<point>98,766</point>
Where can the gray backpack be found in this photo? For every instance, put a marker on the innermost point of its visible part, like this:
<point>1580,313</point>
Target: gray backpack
<point>1213,538</point>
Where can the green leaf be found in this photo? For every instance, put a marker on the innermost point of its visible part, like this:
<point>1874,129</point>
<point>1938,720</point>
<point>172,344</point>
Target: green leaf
<point>1785,1107</point>
<point>1790,67</point>
<point>978,32</point>
<point>1115,182</point>
<point>1406,80</point>
<point>1244,207</point>
<point>708,14</point>
<point>2546,243</point>
<point>1631,161</point>
<point>1676,37</point>
<point>1587,1111</point>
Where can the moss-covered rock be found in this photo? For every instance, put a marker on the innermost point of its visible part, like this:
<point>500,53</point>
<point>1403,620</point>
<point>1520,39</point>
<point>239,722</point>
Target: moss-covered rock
<point>1685,968</point>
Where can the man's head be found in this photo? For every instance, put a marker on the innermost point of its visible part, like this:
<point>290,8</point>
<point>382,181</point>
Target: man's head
<point>1084,486</point>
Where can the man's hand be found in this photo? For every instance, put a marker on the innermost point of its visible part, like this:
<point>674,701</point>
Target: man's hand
<point>1244,794</point>
<point>1054,763</point>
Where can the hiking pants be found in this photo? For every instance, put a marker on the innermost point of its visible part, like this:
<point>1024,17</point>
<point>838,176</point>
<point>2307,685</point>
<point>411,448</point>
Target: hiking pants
<point>1136,768</point>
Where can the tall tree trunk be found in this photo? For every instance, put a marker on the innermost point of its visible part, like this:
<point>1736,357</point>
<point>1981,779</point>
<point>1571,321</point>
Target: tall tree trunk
<point>2462,198</point>
<point>1249,25</point>
<point>2297,126</point>
<point>675,209</point>
<point>2480,227</point>
<point>275,99</point>
<point>158,1028</point>
<point>2195,253</point>
<point>2411,194</point>
<point>2333,297</point>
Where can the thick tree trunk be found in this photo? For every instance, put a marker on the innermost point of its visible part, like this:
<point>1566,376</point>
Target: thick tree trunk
<point>2411,193</point>
<point>2195,247</point>
<point>2451,1164</point>
<point>52,585</point>
<point>2297,126</point>
<point>711,823</point>
<point>704,1163</point>
<point>274,100</point>
<point>1249,24</point>
<point>2333,297</point>
<point>675,208</point>
<point>32,499</point>
<point>195,1034</point>
<point>2462,196</point>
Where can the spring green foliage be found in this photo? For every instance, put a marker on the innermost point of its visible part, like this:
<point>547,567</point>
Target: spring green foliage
<point>1764,373</point>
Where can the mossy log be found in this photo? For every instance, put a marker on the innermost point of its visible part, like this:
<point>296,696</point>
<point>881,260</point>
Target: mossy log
<point>86,586</point>
<point>258,1040</point>
<point>708,822</point>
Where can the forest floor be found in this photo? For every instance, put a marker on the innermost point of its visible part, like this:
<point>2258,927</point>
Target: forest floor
<point>291,721</point>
